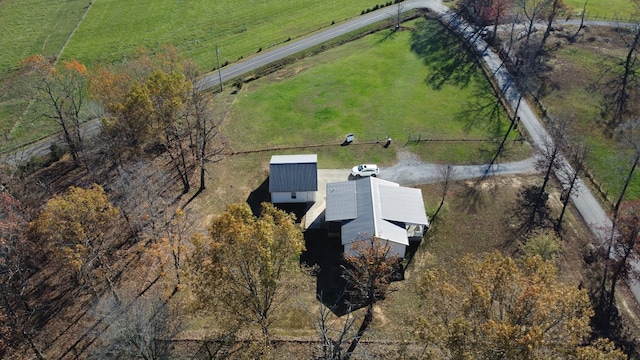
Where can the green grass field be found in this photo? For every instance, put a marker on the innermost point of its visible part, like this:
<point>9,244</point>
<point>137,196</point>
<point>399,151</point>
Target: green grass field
<point>603,9</point>
<point>580,97</point>
<point>373,87</point>
<point>35,27</point>
<point>113,28</point>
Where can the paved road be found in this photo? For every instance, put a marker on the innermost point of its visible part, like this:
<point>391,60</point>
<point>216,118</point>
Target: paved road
<point>267,57</point>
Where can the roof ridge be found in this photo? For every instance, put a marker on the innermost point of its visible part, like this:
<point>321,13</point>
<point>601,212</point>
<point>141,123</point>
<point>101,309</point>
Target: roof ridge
<point>375,203</point>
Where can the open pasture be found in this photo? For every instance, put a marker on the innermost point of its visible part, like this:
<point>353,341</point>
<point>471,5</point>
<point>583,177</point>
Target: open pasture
<point>240,28</point>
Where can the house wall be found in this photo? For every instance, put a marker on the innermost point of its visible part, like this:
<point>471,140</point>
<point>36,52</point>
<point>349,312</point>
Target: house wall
<point>396,249</point>
<point>287,197</point>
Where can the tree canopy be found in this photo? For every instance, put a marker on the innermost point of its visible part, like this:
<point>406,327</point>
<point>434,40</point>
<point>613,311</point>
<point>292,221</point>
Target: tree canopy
<point>246,265</point>
<point>76,228</point>
<point>491,308</point>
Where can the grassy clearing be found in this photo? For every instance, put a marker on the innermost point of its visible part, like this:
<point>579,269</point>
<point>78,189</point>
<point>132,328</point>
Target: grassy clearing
<point>373,87</point>
<point>578,77</point>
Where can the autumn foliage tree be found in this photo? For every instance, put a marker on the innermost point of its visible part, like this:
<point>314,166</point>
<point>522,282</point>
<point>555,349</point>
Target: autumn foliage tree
<point>63,91</point>
<point>80,229</point>
<point>369,270</point>
<point>157,102</point>
<point>246,267</point>
<point>488,307</point>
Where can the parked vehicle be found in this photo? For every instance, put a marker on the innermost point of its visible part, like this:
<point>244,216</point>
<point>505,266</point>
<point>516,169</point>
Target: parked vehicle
<point>365,170</point>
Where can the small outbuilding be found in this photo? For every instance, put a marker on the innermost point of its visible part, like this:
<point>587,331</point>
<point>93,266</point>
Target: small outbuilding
<point>293,178</point>
<point>372,207</point>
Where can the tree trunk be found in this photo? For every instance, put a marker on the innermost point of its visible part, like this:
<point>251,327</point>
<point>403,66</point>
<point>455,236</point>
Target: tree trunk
<point>565,201</point>
<point>368,319</point>
<point>629,68</point>
<point>550,19</point>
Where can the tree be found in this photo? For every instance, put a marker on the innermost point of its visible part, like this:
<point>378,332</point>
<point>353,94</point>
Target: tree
<point>168,93</point>
<point>158,101</point>
<point>622,87</point>
<point>138,328</point>
<point>488,307</point>
<point>549,162</point>
<point>246,267</point>
<point>64,92</point>
<point>79,228</point>
<point>19,256</point>
<point>555,8</point>
<point>369,270</point>
<point>334,332</point>
<point>578,155</point>
<point>485,12</point>
<point>625,249</point>
<point>543,244</point>
<point>446,175</point>
<point>206,130</point>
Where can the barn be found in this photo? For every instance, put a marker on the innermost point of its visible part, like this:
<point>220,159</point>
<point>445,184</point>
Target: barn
<point>293,178</point>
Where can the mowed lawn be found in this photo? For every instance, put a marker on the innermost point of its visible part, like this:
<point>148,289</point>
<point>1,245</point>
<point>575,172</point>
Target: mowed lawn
<point>373,87</point>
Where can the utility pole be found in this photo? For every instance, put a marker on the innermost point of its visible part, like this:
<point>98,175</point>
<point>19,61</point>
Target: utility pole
<point>219,75</point>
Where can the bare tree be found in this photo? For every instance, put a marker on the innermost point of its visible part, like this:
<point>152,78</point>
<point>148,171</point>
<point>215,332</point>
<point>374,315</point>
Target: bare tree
<point>63,92</point>
<point>139,328</point>
<point>574,37</point>
<point>446,174</point>
<point>206,131</point>
<point>333,331</point>
<point>555,8</point>
<point>532,207</point>
<point>578,156</point>
<point>19,256</point>
<point>622,88</point>
<point>625,249</point>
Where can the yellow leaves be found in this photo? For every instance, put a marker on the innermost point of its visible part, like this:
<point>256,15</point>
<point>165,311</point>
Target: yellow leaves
<point>246,261</point>
<point>75,224</point>
<point>500,308</point>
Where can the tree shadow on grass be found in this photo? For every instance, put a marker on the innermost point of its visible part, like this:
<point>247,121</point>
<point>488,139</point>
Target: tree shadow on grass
<point>448,59</point>
<point>258,196</point>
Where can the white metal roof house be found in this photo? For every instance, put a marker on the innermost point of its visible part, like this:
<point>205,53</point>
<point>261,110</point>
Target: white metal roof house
<point>373,207</point>
<point>293,178</point>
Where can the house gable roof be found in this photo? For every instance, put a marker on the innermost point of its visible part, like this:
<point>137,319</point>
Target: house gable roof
<point>379,206</point>
<point>291,173</point>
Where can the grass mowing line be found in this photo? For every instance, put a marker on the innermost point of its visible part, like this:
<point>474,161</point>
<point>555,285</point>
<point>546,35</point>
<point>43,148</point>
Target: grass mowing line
<point>239,28</point>
<point>30,27</point>
<point>84,15</point>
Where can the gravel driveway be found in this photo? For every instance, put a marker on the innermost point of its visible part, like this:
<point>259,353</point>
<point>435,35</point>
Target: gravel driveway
<point>408,171</point>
